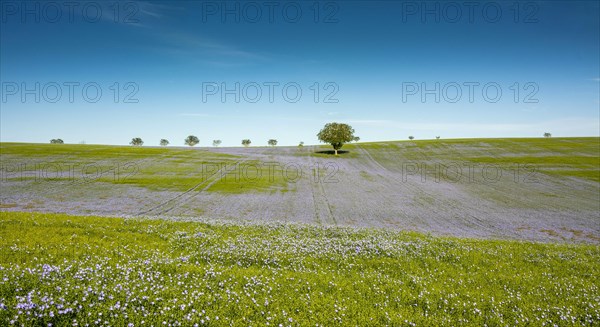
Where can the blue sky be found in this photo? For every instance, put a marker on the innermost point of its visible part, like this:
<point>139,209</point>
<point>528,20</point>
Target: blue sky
<point>369,60</point>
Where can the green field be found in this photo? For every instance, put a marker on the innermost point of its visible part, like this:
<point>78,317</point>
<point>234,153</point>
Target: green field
<point>66,270</point>
<point>378,236</point>
<point>536,189</point>
<point>567,157</point>
<point>179,169</point>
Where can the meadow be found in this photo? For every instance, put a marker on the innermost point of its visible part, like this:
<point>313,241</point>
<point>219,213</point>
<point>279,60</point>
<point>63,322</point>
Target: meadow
<point>536,189</point>
<point>474,232</point>
<point>58,270</point>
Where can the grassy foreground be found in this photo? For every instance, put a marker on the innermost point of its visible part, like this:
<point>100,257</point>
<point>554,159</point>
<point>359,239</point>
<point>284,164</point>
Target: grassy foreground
<point>69,270</point>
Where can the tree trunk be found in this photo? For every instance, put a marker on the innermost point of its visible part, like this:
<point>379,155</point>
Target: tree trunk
<point>335,151</point>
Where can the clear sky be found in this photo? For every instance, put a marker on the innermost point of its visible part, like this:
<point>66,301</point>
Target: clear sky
<point>170,69</point>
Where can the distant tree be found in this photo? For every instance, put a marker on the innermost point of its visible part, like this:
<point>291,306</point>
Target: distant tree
<point>191,140</point>
<point>301,144</point>
<point>437,137</point>
<point>216,142</point>
<point>164,142</point>
<point>246,142</point>
<point>57,141</point>
<point>82,142</point>
<point>356,139</point>
<point>336,134</point>
<point>547,134</point>
<point>136,141</point>
<point>272,142</point>
<point>411,137</point>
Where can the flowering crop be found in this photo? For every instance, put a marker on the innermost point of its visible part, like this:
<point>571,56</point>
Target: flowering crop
<point>58,270</point>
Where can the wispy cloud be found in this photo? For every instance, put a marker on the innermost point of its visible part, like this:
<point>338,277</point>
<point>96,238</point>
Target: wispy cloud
<point>571,123</point>
<point>152,9</point>
<point>136,13</point>
<point>372,122</point>
<point>596,79</point>
<point>194,115</point>
<point>157,19</point>
<point>205,49</point>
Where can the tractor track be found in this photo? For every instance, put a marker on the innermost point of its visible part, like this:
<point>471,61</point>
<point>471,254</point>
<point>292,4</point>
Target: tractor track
<point>320,199</point>
<point>444,208</point>
<point>84,181</point>
<point>186,196</point>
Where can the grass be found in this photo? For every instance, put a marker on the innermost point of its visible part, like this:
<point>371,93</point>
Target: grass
<point>179,169</point>
<point>533,174</point>
<point>577,157</point>
<point>157,169</point>
<point>253,176</point>
<point>63,270</point>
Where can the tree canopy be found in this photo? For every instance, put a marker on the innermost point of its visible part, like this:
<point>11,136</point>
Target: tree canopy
<point>191,140</point>
<point>336,134</point>
<point>136,141</point>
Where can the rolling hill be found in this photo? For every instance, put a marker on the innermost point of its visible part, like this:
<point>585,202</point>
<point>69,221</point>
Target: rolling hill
<point>528,189</point>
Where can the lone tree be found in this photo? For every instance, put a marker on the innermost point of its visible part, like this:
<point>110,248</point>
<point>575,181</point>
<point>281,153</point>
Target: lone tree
<point>57,141</point>
<point>216,142</point>
<point>547,134</point>
<point>246,142</point>
<point>272,142</point>
<point>136,141</point>
<point>164,142</point>
<point>411,137</point>
<point>191,140</point>
<point>437,137</point>
<point>301,144</point>
<point>336,134</point>
<point>356,139</point>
